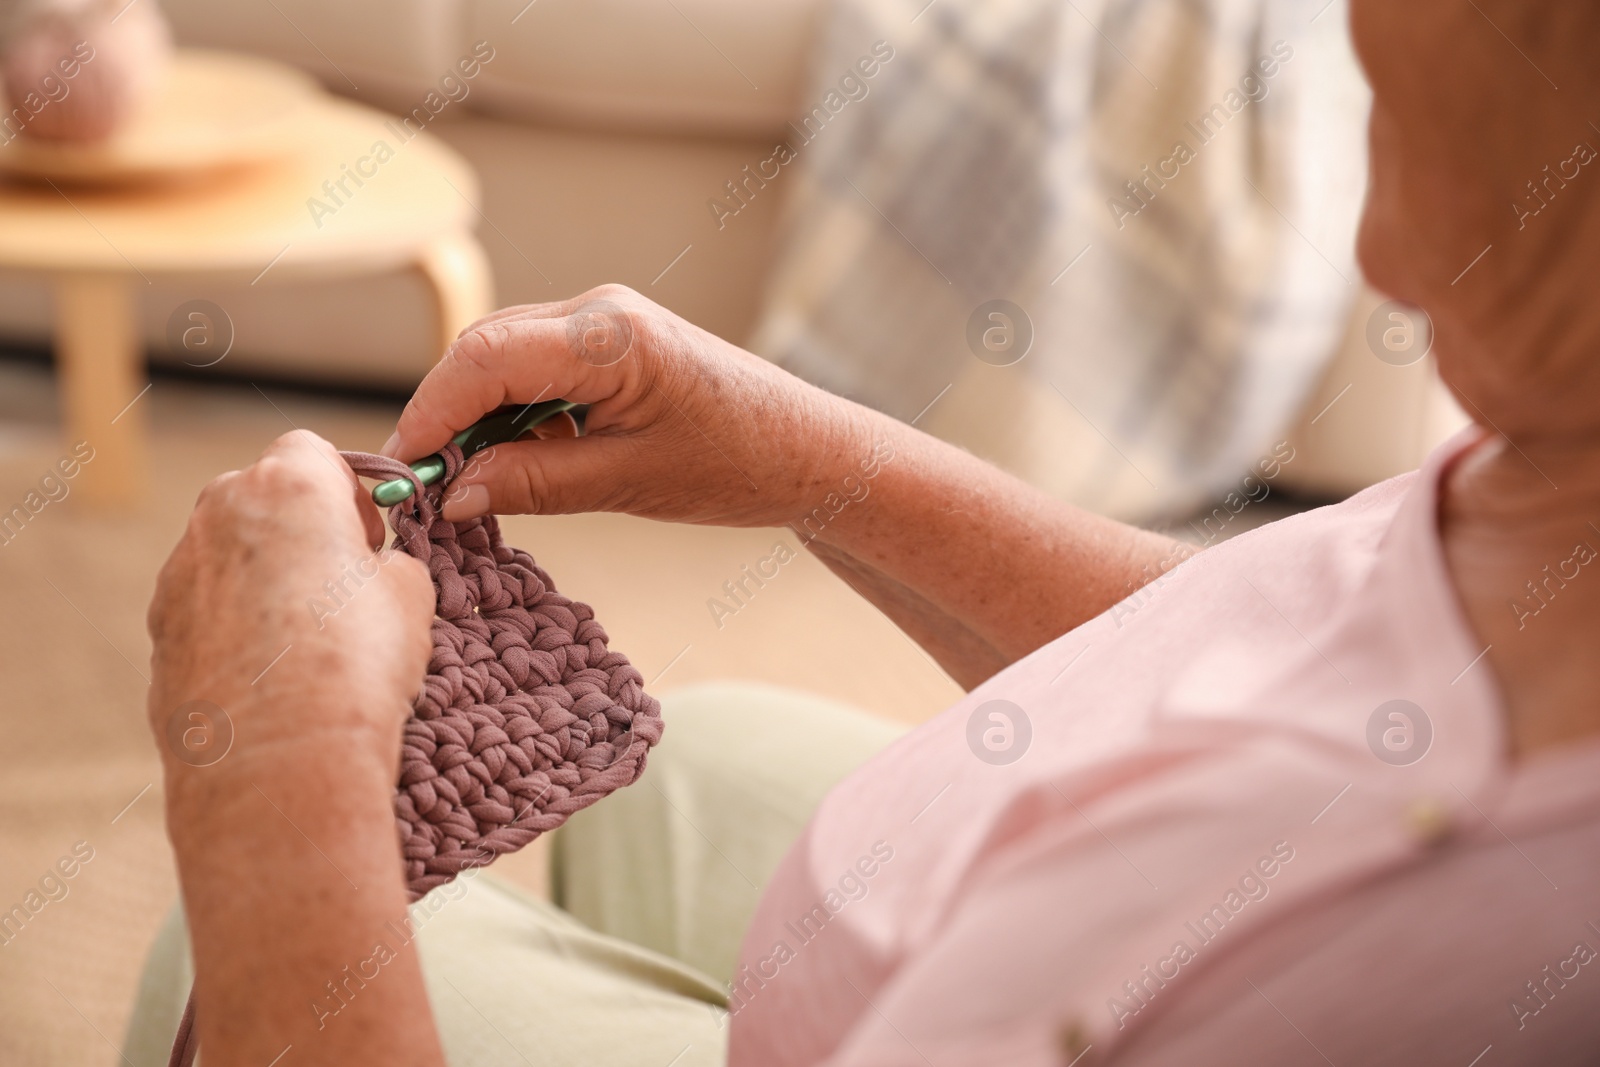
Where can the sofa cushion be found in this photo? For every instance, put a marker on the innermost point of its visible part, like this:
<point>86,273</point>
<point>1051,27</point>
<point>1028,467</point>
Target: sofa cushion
<point>389,52</point>
<point>700,66</point>
<point>717,67</point>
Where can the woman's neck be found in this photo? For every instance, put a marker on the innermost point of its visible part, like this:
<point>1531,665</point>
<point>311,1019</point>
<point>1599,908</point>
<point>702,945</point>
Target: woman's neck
<point>1521,530</point>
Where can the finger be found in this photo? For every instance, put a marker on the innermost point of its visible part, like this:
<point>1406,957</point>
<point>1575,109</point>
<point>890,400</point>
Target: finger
<point>316,458</point>
<point>215,485</point>
<point>538,311</point>
<point>326,478</point>
<point>305,451</point>
<point>418,598</point>
<point>513,361</point>
<point>554,477</point>
<point>418,601</point>
<point>560,425</point>
<point>371,520</point>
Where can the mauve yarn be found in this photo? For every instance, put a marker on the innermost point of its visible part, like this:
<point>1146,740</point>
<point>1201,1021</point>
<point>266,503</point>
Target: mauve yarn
<point>116,54</point>
<point>525,716</point>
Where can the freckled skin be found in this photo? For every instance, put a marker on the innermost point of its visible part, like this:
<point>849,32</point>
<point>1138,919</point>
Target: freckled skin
<point>977,566</point>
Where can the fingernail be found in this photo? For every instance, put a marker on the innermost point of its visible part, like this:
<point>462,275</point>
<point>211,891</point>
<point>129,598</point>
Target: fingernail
<point>466,503</point>
<point>391,446</point>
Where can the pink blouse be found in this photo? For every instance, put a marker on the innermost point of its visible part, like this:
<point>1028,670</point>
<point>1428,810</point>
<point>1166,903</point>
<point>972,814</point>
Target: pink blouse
<point>1258,813</point>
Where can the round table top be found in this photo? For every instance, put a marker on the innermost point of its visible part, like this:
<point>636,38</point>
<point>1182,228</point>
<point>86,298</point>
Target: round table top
<point>355,193</point>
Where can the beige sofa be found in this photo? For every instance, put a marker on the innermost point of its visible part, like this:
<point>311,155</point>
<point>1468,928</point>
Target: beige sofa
<point>600,129</point>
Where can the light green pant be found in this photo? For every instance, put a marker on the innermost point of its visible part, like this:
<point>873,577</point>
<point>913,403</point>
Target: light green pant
<point>655,886</point>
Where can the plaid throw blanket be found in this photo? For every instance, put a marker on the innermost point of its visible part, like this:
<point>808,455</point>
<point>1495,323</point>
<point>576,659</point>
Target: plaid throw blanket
<point>1164,193</point>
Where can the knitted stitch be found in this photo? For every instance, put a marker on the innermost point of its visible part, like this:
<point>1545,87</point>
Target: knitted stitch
<point>525,716</point>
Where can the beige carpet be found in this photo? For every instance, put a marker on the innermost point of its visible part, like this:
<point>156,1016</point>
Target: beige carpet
<point>77,764</point>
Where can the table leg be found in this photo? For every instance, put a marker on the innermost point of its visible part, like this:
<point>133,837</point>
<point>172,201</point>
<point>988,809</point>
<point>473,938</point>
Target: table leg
<point>458,270</point>
<point>102,375</point>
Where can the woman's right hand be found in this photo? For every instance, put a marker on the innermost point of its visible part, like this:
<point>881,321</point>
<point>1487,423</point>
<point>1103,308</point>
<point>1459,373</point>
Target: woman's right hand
<point>682,426</point>
<point>977,566</point>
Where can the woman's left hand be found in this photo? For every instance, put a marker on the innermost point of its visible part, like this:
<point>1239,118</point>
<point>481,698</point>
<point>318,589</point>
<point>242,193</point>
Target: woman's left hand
<point>274,611</point>
<point>286,657</point>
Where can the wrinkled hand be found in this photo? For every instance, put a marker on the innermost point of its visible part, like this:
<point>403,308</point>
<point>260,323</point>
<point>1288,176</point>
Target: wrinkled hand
<point>274,609</point>
<point>682,426</point>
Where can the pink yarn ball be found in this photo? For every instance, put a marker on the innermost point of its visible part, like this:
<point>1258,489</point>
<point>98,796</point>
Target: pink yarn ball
<point>78,76</point>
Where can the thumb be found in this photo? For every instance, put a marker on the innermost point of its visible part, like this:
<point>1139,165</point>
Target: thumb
<point>417,600</point>
<point>564,476</point>
<point>412,584</point>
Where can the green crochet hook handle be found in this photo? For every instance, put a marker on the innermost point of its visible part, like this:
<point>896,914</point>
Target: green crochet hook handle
<point>496,428</point>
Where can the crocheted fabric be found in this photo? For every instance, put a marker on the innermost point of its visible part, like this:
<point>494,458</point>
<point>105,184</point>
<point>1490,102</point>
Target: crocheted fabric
<point>526,715</point>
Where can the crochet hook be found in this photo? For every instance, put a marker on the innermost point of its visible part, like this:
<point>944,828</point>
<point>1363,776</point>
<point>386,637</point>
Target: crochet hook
<point>498,427</point>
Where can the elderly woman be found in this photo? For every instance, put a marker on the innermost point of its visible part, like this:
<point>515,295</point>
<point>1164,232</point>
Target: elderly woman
<point>1329,792</point>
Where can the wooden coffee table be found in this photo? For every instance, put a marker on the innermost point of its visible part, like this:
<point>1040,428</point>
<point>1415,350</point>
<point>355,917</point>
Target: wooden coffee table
<point>242,213</point>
